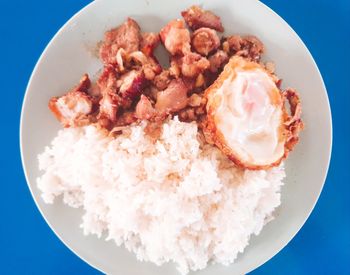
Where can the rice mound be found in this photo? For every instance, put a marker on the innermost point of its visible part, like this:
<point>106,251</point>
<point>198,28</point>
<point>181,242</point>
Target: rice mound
<point>174,200</point>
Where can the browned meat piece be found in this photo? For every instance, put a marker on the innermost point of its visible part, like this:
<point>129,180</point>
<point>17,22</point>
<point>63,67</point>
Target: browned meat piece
<point>144,108</point>
<point>151,92</point>
<point>110,101</point>
<point>162,80</point>
<point>189,82</point>
<point>192,64</point>
<point>248,46</point>
<point>218,60</point>
<point>253,48</point>
<point>196,18</point>
<point>84,84</point>
<point>94,91</point>
<point>126,36</point>
<point>195,109</point>
<point>293,121</point>
<point>109,105</point>
<point>295,105</point>
<point>107,79</point>
<point>235,43</point>
<point>131,84</point>
<point>173,98</point>
<point>149,64</point>
<point>73,108</point>
<point>205,40</point>
<point>126,118</point>
<point>175,37</point>
<point>149,42</point>
<point>149,72</point>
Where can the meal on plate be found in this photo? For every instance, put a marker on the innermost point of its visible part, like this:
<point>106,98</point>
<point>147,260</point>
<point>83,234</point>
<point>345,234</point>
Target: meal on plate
<point>180,163</point>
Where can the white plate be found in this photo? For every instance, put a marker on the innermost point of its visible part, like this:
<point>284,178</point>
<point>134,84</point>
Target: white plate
<point>68,56</point>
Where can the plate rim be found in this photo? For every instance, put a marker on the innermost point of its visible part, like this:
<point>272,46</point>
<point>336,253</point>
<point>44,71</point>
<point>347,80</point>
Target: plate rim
<point>329,133</point>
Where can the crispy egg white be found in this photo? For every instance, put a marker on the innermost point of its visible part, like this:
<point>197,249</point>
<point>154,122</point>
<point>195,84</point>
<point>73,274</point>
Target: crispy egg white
<point>245,114</point>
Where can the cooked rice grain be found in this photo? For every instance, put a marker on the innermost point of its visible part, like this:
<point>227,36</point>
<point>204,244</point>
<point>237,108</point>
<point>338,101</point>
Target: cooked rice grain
<point>174,200</point>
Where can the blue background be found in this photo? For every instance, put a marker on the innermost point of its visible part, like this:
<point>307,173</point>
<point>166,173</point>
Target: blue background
<point>28,246</point>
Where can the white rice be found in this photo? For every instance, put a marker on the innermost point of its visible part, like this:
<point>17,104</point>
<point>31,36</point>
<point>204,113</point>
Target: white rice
<point>175,200</point>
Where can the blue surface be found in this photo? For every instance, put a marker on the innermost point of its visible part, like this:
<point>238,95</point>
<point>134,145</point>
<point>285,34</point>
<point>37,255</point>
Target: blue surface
<point>28,246</point>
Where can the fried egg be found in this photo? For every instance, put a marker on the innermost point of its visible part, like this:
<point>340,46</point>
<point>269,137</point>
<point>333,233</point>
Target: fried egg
<point>246,115</point>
